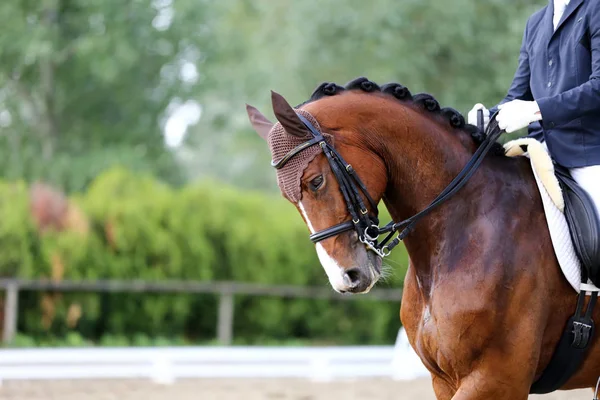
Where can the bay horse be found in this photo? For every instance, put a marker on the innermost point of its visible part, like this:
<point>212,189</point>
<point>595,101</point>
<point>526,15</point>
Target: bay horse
<point>484,301</point>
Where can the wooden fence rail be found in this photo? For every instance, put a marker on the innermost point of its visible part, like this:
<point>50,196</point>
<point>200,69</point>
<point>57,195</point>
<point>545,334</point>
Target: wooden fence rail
<point>225,290</point>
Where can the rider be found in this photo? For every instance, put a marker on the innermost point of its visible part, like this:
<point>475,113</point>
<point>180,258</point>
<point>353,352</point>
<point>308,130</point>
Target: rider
<point>556,88</point>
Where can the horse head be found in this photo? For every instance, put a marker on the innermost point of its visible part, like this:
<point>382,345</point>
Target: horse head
<point>343,151</point>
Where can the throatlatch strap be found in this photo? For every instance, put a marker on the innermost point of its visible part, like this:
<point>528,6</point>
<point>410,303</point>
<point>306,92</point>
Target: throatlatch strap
<point>571,349</point>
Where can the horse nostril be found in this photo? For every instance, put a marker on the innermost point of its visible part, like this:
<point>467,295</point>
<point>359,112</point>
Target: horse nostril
<point>352,277</point>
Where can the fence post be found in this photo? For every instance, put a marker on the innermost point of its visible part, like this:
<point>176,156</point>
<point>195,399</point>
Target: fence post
<point>11,310</point>
<point>225,316</point>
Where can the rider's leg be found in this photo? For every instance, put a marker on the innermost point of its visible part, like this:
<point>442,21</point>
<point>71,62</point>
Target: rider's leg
<point>589,179</point>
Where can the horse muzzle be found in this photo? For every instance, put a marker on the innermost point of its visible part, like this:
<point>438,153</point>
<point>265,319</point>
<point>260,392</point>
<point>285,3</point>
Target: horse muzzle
<point>362,279</point>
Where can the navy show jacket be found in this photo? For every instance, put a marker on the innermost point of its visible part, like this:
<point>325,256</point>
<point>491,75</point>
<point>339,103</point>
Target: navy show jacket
<point>561,71</point>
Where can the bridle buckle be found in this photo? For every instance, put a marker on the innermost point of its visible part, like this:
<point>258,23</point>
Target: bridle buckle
<point>368,236</point>
<point>370,245</point>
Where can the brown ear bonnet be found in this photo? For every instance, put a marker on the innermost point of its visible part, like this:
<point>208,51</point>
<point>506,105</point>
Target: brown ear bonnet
<point>280,143</point>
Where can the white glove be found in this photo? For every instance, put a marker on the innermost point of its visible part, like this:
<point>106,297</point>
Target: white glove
<point>472,116</point>
<point>517,114</point>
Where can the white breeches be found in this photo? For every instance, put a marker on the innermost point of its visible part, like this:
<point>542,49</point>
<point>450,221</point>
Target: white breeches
<point>589,179</point>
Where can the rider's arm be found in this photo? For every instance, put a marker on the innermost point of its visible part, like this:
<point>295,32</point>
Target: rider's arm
<point>584,99</point>
<point>519,89</point>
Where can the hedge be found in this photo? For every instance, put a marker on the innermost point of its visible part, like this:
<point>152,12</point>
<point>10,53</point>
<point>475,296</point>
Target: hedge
<point>134,227</point>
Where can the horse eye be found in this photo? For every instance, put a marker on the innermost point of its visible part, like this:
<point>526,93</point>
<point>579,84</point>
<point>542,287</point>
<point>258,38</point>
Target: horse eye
<point>316,182</point>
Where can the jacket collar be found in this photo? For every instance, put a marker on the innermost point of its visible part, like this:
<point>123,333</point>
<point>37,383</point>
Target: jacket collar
<point>573,5</point>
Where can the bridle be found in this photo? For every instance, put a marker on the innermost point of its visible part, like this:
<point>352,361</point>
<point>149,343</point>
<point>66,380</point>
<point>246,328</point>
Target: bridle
<point>366,224</point>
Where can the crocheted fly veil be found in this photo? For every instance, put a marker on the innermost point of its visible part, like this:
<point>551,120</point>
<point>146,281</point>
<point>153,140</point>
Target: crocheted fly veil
<point>280,143</point>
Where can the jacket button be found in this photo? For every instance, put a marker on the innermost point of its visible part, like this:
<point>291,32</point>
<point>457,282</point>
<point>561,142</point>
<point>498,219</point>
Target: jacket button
<point>550,63</point>
<point>552,124</point>
<point>549,84</point>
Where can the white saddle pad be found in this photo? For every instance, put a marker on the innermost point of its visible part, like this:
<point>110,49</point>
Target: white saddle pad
<point>551,193</point>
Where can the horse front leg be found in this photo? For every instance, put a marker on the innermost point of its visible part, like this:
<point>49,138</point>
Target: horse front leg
<point>442,389</point>
<point>486,387</point>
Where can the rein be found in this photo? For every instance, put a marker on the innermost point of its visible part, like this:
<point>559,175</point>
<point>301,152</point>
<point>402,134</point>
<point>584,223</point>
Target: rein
<point>366,225</point>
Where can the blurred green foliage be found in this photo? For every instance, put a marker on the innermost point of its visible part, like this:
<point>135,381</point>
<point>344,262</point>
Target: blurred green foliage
<point>88,84</point>
<point>85,84</point>
<point>461,51</point>
<point>142,229</point>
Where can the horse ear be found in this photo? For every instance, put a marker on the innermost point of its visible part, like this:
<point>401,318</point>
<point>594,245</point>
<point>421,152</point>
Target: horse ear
<point>260,123</point>
<point>288,118</point>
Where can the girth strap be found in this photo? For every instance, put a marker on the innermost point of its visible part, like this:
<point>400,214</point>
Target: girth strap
<point>571,350</point>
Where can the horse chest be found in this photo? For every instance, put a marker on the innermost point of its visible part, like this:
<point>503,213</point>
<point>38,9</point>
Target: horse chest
<point>445,326</point>
<point>447,344</point>
<point>427,340</point>
<point>442,355</point>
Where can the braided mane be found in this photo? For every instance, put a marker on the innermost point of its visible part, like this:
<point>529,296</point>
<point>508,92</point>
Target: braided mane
<point>423,102</point>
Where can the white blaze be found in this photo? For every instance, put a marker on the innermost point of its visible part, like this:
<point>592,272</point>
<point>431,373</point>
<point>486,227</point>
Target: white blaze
<point>334,272</point>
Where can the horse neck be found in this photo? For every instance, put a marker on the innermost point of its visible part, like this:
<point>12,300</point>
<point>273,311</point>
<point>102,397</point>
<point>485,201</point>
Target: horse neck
<point>422,157</point>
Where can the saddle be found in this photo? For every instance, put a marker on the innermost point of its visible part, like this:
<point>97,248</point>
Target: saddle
<point>573,201</point>
<point>574,205</point>
<point>584,224</point>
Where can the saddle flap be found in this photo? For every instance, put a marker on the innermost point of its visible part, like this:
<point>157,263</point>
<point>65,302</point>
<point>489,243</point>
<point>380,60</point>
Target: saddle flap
<point>583,222</point>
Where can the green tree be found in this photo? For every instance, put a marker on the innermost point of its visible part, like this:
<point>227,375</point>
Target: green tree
<point>463,52</point>
<point>85,84</point>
